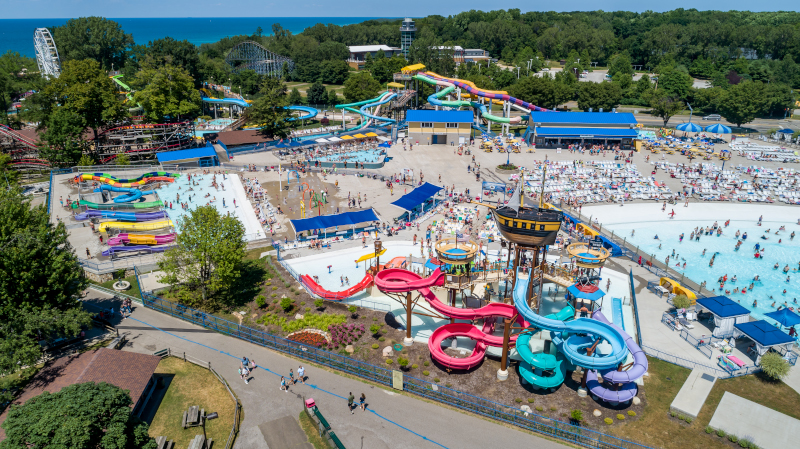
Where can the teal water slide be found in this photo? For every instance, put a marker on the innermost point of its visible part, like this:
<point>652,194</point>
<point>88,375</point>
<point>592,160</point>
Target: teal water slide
<point>572,338</point>
<point>377,101</point>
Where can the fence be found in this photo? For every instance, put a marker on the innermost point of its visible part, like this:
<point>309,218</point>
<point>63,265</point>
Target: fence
<point>464,401</point>
<point>115,293</point>
<point>187,358</point>
<point>635,308</point>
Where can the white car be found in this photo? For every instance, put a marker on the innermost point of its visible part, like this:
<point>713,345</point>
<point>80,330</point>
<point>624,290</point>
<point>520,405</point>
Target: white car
<point>716,117</point>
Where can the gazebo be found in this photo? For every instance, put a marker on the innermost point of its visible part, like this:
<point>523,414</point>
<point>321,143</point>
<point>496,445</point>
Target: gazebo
<point>727,313</point>
<point>764,335</point>
<point>586,293</point>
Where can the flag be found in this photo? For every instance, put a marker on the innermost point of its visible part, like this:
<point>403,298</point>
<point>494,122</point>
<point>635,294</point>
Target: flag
<point>460,237</point>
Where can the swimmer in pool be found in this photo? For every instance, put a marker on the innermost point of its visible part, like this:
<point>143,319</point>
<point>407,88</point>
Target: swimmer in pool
<point>755,303</point>
<point>776,266</point>
<point>734,278</point>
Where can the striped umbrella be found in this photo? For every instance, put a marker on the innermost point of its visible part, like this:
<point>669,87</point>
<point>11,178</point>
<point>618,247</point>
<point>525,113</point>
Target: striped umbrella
<point>690,127</point>
<point>718,128</point>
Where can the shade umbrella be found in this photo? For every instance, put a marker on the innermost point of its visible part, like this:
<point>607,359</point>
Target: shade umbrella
<point>586,291</point>
<point>786,131</point>
<point>690,127</point>
<point>784,317</point>
<point>718,128</point>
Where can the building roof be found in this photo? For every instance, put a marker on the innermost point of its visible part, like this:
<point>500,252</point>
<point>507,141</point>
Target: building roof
<point>764,333</point>
<point>723,307</point>
<point>330,221</point>
<point>587,133</point>
<point>448,47</point>
<point>418,196</point>
<point>184,155</point>
<point>127,370</point>
<point>584,118</point>
<point>428,115</point>
<point>242,137</point>
<point>370,48</point>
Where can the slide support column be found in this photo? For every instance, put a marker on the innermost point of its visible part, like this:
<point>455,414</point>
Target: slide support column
<point>502,373</point>
<point>408,340</point>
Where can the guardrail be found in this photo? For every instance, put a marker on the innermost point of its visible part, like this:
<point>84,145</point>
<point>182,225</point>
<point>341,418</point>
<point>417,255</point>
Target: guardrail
<point>164,353</point>
<point>635,308</point>
<point>554,428</point>
<point>115,293</point>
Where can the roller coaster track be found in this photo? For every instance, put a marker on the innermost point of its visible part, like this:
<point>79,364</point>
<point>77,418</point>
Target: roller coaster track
<point>251,55</point>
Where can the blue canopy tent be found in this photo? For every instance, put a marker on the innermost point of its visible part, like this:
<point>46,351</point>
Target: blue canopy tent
<point>718,128</point>
<point>727,313</point>
<point>786,131</point>
<point>587,292</point>
<point>764,335</point>
<point>689,127</point>
<point>417,197</point>
<point>784,317</point>
<point>329,221</point>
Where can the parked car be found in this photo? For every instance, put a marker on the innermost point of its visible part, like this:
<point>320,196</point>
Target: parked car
<point>716,117</point>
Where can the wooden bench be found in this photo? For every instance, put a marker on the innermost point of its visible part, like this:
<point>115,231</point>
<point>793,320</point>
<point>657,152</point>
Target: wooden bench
<point>162,443</point>
<point>200,442</point>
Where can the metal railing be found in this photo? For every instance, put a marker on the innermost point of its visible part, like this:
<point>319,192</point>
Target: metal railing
<point>115,293</point>
<point>635,308</point>
<point>164,353</point>
<point>552,427</point>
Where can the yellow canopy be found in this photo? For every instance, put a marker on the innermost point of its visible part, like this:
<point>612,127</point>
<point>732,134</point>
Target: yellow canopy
<point>372,135</point>
<point>412,68</point>
<point>370,256</point>
<point>360,136</point>
<point>677,288</point>
<point>346,137</point>
<point>398,85</point>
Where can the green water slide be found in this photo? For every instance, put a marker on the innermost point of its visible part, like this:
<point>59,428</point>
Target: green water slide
<point>436,98</point>
<point>129,94</point>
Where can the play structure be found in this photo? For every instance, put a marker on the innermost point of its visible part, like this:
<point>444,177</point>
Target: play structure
<point>675,288</point>
<point>467,89</point>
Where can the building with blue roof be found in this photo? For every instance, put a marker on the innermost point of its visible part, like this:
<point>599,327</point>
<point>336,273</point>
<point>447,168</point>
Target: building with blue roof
<point>193,157</point>
<point>429,127</point>
<point>549,129</point>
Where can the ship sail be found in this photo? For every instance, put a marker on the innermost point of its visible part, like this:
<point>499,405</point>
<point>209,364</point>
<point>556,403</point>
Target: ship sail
<point>514,202</point>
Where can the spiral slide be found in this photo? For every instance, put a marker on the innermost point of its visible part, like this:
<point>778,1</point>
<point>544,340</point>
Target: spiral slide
<point>401,281</point>
<point>141,239</point>
<point>572,338</point>
<point>320,291</point>
<point>310,112</point>
<point>122,249</point>
<point>628,389</point>
<point>365,123</point>
<point>101,206</point>
<point>122,216</point>
<point>132,194</point>
<point>435,99</point>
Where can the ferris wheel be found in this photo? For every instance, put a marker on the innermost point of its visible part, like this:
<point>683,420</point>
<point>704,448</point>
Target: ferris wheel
<point>46,53</point>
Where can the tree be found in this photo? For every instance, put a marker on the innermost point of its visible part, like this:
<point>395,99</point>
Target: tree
<point>621,64</point>
<point>84,89</point>
<point>774,365</point>
<point>269,110</point>
<point>333,99</point>
<point>742,102</point>
<point>541,91</point>
<point>317,94</point>
<point>334,72</point>
<point>85,161</point>
<point>295,97</point>
<point>9,175</point>
<point>122,159</point>
<point>207,256</point>
<point>360,86</point>
<point>94,38</point>
<point>681,302</point>
<point>40,279</point>
<point>166,91</point>
<point>80,416</point>
<point>676,83</point>
<point>664,105</point>
<point>64,138</point>
<point>181,54</point>
<point>599,95</point>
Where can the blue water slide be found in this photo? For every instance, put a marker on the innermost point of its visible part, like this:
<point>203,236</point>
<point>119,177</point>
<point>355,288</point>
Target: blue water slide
<point>573,337</point>
<point>310,112</point>
<point>132,194</point>
<point>235,101</point>
<point>386,99</point>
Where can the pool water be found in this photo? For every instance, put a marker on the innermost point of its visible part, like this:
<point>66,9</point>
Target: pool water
<point>355,156</point>
<point>728,262</point>
<point>233,190</point>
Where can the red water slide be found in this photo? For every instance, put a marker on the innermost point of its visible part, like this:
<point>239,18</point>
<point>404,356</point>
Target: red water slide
<point>320,291</point>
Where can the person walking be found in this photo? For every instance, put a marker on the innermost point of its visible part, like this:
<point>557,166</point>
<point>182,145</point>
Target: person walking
<point>291,376</point>
<point>283,384</point>
<point>361,402</point>
<point>350,400</point>
<point>301,373</point>
<point>245,374</point>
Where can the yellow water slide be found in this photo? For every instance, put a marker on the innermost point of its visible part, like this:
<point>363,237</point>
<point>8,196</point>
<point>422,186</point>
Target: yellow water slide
<point>127,226</point>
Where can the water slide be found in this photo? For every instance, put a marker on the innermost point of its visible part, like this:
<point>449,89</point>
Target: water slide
<point>377,101</point>
<point>128,226</point>
<point>102,206</point>
<point>628,389</point>
<point>450,87</point>
<point>122,216</point>
<point>150,249</point>
<point>132,194</point>
<point>573,337</point>
<point>395,280</point>
<point>370,256</point>
<point>320,291</point>
<point>128,94</point>
<point>146,178</point>
<point>309,112</point>
<point>141,239</point>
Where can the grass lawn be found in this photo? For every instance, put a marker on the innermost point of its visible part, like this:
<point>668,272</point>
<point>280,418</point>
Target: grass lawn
<point>133,291</point>
<point>192,385</point>
<point>311,431</point>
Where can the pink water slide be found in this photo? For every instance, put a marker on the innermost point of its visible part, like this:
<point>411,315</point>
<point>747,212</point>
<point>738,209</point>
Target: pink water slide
<point>402,281</point>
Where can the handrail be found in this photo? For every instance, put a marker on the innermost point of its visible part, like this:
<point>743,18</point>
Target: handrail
<point>115,293</point>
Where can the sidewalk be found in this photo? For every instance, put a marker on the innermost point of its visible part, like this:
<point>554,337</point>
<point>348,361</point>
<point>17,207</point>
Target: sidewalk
<point>393,420</point>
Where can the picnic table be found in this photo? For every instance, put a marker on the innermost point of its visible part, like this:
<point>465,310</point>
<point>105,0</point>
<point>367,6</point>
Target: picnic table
<point>194,417</point>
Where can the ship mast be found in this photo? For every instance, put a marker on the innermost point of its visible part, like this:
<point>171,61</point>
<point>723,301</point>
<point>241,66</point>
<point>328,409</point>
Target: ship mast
<point>541,194</point>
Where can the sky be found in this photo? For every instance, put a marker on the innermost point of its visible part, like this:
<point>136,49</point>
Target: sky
<point>33,9</point>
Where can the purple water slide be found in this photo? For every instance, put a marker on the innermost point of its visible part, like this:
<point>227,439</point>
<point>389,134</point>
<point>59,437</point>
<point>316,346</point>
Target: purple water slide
<point>122,216</point>
<point>152,249</point>
<point>639,358</point>
<point>625,393</point>
<point>494,96</point>
<point>118,239</point>
<point>121,239</point>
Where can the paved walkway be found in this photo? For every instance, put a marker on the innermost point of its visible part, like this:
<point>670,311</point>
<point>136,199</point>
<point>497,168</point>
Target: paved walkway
<point>746,419</point>
<point>392,421</point>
